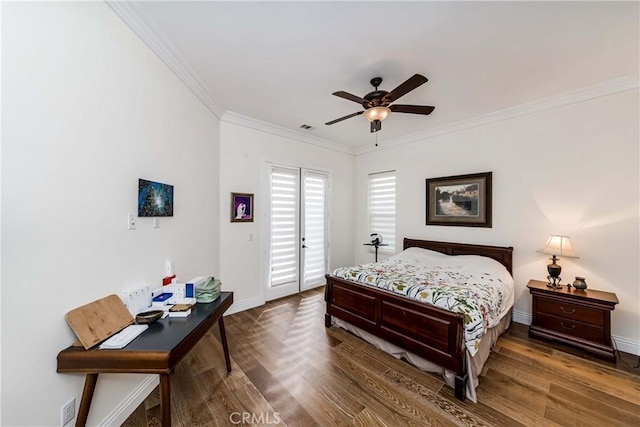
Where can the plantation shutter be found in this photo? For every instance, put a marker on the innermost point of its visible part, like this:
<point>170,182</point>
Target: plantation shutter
<point>382,208</point>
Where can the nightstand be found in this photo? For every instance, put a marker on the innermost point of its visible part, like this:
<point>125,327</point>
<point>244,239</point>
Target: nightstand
<point>578,318</point>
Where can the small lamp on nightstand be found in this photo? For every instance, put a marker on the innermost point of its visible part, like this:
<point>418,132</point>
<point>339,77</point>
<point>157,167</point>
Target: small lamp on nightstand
<point>557,246</point>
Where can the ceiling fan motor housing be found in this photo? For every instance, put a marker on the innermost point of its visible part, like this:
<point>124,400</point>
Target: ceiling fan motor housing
<point>375,99</point>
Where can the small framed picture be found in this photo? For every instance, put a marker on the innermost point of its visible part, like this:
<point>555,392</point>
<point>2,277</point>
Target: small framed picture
<point>241,207</point>
<point>462,200</point>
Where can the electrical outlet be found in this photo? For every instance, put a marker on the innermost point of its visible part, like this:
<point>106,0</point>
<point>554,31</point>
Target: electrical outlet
<point>132,222</point>
<point>67,412</point>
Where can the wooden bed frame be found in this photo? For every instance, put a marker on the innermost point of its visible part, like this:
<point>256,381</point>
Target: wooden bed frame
<point>426,330</point>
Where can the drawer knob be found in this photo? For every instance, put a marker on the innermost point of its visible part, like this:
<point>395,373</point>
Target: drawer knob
<point>567,327</point>
<point>573,310</point>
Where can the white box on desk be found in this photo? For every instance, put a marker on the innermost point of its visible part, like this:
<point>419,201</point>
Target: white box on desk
<point>197,281</point>
<point>180,313</point>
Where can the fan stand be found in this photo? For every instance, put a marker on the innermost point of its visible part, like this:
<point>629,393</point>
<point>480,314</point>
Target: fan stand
<point>375,82</point>
<point>376,245</point>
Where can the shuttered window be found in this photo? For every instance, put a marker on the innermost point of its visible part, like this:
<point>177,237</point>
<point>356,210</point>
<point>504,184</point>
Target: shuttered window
<point>382,208</point>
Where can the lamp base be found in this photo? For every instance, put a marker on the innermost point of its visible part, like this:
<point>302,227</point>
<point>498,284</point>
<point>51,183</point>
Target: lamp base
<point>554,274</point>
<point>554,282</point>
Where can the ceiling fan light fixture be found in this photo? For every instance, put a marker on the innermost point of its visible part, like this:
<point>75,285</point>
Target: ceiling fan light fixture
<point>377,113</point>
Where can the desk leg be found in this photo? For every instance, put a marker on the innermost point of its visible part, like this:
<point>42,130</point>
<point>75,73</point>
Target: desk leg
<point>87,395</point>
<point>225,347</point>
<point>165,399</point>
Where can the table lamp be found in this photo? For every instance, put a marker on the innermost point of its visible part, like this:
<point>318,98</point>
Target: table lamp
<point>557,246</point>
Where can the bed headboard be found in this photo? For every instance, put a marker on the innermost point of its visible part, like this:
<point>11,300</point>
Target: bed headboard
<point>502,254</point>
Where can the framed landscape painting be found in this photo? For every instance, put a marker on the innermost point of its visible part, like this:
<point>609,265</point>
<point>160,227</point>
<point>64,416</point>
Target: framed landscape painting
<point>462,200</point>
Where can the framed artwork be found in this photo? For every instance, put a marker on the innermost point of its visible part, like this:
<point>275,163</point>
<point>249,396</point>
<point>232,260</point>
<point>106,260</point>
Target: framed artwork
<point>154,198</point>
<point>462,200</point>
<point>241,207</point>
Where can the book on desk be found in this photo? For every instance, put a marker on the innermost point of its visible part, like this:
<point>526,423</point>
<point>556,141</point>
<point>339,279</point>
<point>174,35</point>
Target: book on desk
<point>180,310</point>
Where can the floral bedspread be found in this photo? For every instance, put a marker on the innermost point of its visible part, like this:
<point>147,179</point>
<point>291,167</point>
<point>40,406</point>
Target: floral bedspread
<point>478,295</point>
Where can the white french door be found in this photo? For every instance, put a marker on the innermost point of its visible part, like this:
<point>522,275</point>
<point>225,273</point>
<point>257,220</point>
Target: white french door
<point>298,237</point>
<point>313,229</point>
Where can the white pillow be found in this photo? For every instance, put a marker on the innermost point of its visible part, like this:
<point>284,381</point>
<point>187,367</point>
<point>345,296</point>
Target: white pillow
<point>419,254</point>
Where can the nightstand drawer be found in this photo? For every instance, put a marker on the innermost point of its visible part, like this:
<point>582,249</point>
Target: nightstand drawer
<point>571,312</point>
<point>571,327</point>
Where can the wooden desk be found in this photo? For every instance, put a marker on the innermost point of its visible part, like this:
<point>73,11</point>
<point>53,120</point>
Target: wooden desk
<point>156,351</point>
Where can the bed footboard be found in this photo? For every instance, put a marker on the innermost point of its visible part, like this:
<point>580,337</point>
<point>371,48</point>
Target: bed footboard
<point>428,331</point>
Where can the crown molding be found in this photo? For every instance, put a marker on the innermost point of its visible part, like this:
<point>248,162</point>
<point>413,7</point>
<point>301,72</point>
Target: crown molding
<point>249,122</point>
<point>150,33</point>
<point>133,15</point>
<point>590,92</point>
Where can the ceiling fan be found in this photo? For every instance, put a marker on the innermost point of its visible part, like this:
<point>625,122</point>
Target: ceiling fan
<point>378,104</point>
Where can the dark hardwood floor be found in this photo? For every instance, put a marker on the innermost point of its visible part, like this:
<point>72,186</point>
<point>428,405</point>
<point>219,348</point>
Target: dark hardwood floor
<point>289,370</point>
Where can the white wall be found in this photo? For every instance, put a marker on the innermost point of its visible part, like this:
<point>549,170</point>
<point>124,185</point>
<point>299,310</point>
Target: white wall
<point>87,110</point>
<point>571,170</point>
<point>244,152</point>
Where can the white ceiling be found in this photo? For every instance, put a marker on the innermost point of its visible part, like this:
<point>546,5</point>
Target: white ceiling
<point>279,62</point>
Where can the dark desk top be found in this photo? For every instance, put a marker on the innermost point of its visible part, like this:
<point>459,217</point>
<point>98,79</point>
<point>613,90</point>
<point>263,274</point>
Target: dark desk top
<point>158,348</point>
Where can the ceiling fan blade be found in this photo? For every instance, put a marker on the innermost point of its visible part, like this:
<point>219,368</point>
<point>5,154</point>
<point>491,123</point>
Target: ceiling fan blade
<point>345,95</point>
<point>414,109</point>
<point>344,118</point>
<point>406,87</point>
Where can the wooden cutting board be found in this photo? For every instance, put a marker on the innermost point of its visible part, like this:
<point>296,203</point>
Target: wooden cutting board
<point>97,321</point>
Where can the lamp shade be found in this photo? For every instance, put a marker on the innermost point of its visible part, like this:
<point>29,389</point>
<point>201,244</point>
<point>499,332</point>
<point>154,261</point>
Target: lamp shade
<point>559,246</point>
<point>377,113</point>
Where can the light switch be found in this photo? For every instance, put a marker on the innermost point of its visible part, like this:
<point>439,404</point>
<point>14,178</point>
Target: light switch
<point>156,223</point>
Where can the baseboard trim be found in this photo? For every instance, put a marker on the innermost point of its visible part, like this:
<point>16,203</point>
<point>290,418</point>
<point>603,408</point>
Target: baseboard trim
<point>626,345</point>
<point>134,399</point>
<point>239,306</point>
<point>521,317</point>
